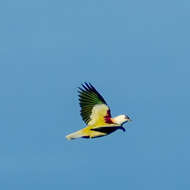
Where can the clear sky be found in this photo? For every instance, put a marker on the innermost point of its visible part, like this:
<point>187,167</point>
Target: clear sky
<point>136,53</point>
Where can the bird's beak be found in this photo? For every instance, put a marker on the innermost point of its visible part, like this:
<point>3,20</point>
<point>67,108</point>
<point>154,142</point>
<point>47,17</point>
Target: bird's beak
<point>129,119</point>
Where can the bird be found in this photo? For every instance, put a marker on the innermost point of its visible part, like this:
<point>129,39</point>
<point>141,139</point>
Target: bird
<point>96,113</point>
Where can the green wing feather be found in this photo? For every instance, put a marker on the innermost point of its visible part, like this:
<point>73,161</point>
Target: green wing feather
<point>88,98</point>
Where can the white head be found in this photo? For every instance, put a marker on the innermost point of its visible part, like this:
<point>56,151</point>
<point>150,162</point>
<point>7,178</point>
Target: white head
<point>121,119</point>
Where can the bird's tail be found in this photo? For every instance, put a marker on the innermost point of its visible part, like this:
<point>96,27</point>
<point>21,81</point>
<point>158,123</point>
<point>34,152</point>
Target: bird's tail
<point>74,135</point>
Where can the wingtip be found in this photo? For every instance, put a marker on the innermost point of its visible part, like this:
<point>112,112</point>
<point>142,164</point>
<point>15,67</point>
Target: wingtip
<point>86,83</point>
<point>85,86</point>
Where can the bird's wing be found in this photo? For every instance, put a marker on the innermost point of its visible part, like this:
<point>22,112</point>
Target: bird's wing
<point>94,109</point>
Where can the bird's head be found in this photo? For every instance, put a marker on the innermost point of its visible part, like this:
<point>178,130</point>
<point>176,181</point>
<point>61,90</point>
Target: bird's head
<point>121,119</point>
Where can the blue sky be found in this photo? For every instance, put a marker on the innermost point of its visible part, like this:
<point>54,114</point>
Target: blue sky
<point>136,53</point>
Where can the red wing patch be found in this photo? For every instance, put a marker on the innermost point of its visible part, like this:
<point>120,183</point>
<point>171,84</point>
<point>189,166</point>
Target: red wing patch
<point>108,118</point>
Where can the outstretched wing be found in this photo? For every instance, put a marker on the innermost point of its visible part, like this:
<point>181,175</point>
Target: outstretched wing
<point>94,109</point>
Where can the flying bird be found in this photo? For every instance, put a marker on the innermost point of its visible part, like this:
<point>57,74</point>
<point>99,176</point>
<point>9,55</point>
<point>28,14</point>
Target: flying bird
<point>96,114</point>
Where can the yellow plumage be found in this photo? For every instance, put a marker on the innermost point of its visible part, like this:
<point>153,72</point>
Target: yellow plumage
<point>85,133</point>
<point>90,131</point>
